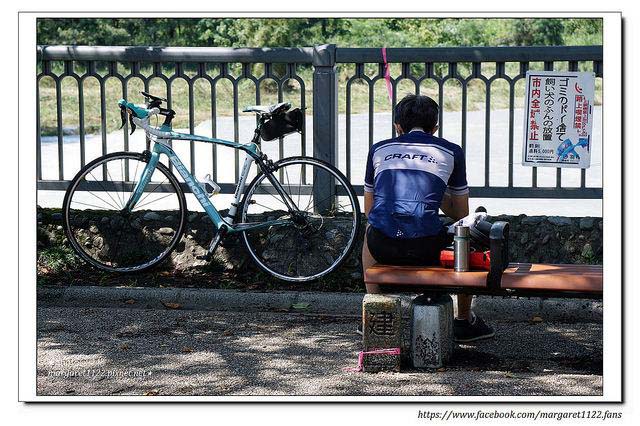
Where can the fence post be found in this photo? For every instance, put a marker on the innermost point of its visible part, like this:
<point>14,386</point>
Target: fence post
<point>325,121</point>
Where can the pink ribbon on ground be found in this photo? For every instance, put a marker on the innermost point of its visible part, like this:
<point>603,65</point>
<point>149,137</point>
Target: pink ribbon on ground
<point>361,354</point>
<point>387,75</point>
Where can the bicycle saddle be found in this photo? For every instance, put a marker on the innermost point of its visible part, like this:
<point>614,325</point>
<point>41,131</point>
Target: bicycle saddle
<point>268,109</point>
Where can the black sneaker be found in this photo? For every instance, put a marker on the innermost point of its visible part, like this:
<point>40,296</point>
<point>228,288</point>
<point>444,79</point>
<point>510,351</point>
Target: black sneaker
<point>359,330</point>
<point>469,331</point>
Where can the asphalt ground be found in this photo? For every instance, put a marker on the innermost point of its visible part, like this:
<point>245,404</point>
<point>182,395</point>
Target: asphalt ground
<point>123,351</point>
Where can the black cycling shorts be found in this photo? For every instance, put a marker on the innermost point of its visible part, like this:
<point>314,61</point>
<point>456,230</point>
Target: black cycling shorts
<point>423,251</point>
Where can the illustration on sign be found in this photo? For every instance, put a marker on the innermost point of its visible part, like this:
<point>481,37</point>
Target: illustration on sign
<point>558,119</point>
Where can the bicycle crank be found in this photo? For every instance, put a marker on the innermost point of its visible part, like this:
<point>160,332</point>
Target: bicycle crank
<point>213,245</point>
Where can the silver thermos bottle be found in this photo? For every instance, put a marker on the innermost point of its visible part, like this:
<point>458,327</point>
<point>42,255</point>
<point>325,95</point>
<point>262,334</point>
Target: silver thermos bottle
<point>461,249</point>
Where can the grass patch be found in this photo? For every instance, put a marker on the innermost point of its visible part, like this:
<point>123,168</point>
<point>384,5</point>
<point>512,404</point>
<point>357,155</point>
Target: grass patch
<point>224,93</point>
<point>57,259</point>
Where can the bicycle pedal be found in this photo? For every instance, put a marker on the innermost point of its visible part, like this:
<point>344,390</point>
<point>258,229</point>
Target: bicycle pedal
<point>206,257</point>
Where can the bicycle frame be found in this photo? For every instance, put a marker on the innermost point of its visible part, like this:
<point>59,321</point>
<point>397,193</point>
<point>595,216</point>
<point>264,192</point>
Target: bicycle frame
<point>253,154</point>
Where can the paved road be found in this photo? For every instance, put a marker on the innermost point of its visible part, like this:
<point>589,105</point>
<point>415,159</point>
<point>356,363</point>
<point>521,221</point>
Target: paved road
<point>452,129</point>
<point>107,351</point>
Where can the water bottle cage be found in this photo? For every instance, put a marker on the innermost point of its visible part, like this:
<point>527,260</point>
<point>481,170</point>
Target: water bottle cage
<point>209,186</point>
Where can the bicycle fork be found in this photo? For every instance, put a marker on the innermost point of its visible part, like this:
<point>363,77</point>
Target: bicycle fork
<point>145,178</point>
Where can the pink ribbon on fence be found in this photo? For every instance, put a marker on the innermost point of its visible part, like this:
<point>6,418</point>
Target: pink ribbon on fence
<point>387,75</point>
<point>361,354</point>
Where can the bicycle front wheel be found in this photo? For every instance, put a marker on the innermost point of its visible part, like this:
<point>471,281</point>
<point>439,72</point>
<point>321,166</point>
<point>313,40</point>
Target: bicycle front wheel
<point>115,239</point>
<point>317,235</point>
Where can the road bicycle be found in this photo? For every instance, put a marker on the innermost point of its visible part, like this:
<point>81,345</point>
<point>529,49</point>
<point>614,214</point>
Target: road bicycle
<point>126,211</point>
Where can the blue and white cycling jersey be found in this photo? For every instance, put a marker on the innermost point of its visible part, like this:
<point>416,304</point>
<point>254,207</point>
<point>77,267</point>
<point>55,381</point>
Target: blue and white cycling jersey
<point>409,176</point>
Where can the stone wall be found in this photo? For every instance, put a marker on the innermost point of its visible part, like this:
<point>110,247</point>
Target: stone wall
<point>554,239</point>
<point>533,239</point>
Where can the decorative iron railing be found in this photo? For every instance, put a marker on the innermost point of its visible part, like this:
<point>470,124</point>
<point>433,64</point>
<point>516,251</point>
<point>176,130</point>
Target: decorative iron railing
<point>331,76</point>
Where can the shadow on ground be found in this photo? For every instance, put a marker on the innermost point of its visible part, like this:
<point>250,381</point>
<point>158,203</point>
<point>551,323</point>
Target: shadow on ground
<point>96,351</point>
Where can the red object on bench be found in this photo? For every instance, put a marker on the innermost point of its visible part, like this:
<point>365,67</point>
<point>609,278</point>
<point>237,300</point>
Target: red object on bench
<point>478,260</point>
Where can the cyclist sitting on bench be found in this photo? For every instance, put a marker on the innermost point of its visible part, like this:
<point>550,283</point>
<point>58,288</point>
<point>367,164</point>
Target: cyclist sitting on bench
<point>408,179</point>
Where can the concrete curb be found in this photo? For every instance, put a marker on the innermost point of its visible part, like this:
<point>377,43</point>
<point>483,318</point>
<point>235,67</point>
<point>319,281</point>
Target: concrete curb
<point>490,308</point>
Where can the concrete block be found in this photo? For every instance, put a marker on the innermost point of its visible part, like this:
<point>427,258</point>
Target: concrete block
<point>382,329</point>
<point>431,331</point>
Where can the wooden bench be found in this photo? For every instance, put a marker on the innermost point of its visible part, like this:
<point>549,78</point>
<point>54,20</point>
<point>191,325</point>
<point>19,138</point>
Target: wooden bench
<point>504,278</point>
<point>432,323</point>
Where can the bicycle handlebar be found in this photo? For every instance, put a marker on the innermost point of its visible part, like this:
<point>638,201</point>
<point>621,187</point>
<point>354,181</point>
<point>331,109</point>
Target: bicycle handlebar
<point>136,111</point>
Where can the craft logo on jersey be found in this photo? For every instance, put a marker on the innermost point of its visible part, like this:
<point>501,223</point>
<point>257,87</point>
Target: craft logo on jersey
<point>422,157</point>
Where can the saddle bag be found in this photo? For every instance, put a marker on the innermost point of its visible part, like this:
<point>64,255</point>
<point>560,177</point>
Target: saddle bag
<point>282,124</point>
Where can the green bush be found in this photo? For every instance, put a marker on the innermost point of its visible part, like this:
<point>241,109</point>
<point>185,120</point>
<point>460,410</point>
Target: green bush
<point>356,32</point>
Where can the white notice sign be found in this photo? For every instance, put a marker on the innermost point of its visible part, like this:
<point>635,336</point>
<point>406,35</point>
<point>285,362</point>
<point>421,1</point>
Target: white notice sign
<point>558,119</point>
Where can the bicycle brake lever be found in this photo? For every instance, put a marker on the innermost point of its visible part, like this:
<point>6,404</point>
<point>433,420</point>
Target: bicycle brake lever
<point>132,124</point>
<point>123,116</point>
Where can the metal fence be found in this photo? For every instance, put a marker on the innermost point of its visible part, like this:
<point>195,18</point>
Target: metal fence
<point>323,65</point>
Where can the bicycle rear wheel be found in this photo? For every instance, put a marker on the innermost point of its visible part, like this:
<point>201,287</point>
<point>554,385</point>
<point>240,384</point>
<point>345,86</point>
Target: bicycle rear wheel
<point>312,241</point>
<point>108,236</point>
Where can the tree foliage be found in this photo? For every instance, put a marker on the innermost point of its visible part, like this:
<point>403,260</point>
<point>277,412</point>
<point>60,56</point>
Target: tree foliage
<point>357,32</point>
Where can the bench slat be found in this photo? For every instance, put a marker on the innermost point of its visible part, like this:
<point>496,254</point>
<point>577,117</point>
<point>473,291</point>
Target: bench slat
<point>543,277</point>
<point>423,275</point>
<point>525,277</point>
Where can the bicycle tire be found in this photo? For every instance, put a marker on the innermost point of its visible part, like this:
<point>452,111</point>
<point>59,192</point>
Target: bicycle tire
<point>242,211</point>
<point>91,166</point>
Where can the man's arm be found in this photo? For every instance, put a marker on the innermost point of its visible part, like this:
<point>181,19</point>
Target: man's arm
<point>455,203</point>
<point>368,202</point>
<point>454,206</point>
<point>368,183</point>
<point>367,258</point>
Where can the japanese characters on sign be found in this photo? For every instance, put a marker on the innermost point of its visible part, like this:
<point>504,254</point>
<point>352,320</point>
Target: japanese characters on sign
<point>558,119</point>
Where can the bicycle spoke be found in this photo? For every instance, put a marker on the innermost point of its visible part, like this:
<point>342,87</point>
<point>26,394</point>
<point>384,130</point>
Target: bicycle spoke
<point>116,190</point>
<point>135,173</point>
<point>276,198</point>
<point>262,205</point>
<point>104,201</point>
<point>103,188</point>
<point>114,184</point>
<point>343,206</point>
<point>288,184</point>
<point>154,190</point>
<point>123,179</point>
<point>287,263</point>
<point>90,205</point>
<point>310,201</point>
<point>133,181</point>
<point>117,245</point>
<point>325,198</point>
<point>281,242</point>
<point>152,201</point>
<point>297,255</point>
<point>300,184</point>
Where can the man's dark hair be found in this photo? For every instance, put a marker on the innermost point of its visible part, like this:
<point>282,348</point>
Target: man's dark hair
<point>416,111</point>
